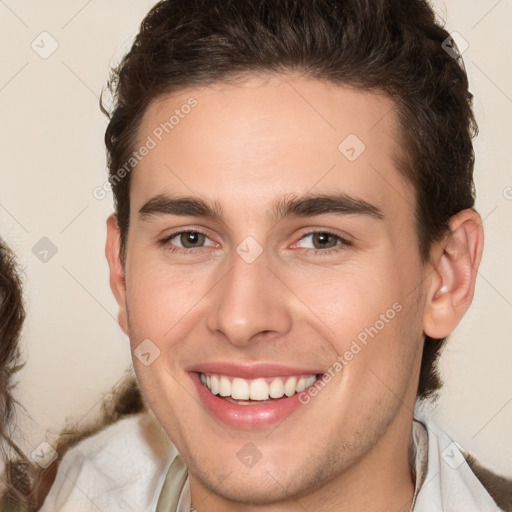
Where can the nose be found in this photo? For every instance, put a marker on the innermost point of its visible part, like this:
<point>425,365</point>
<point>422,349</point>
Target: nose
<point>249,303</point>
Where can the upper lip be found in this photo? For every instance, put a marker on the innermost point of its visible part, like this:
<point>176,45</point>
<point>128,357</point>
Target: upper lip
<point>251,370</point>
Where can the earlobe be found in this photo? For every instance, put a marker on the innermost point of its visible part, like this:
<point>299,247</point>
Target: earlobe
<point>117,275</point>
<point>454,274</point>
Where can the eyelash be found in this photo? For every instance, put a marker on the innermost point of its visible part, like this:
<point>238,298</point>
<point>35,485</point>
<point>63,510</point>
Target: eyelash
<point>342,245</point>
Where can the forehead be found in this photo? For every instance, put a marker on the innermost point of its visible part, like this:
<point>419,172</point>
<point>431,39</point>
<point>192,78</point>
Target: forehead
<point>270,136</point>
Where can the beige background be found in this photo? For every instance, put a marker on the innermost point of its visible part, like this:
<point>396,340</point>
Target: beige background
<point>52,157</point>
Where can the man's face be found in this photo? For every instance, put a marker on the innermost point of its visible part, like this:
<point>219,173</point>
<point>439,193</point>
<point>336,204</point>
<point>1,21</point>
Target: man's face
<point>260,253</point>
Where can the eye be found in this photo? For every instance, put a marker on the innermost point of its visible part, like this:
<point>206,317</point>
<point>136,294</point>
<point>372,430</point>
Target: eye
<point>321,240</point>
<point>189,240</point>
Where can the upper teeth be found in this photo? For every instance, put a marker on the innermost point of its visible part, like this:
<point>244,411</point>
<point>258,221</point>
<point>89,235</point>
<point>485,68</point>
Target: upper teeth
<point>257,389</point>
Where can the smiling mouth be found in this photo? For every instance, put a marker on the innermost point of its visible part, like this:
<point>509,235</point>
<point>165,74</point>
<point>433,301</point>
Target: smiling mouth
<point>254,391</point>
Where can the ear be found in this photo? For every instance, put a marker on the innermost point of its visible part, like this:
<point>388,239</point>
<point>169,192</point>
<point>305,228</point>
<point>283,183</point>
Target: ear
<point>455,265</point>
<point>117,275</point>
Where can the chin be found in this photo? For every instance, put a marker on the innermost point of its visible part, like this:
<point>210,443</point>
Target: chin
<point>255,489</point>
<point>265,483</point>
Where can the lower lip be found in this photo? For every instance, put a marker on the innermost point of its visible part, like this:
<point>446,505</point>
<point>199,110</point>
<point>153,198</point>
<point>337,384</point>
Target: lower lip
<point>246,417</point>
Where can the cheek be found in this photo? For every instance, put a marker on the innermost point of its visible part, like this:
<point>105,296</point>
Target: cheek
<point>369,318</point>
<point>349,300</point>
<point>385,356</point>
<point>160,299</point>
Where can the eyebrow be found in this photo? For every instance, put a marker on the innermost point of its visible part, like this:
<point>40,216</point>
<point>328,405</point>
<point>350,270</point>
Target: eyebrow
<point>291,206</point>
<point>185,206</point>
<point>322,204</point>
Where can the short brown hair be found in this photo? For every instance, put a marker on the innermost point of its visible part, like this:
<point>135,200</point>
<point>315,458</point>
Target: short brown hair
<point>391,46</point>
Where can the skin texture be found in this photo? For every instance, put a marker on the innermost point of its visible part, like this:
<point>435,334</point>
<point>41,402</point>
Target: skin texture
<point>301,303</point>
